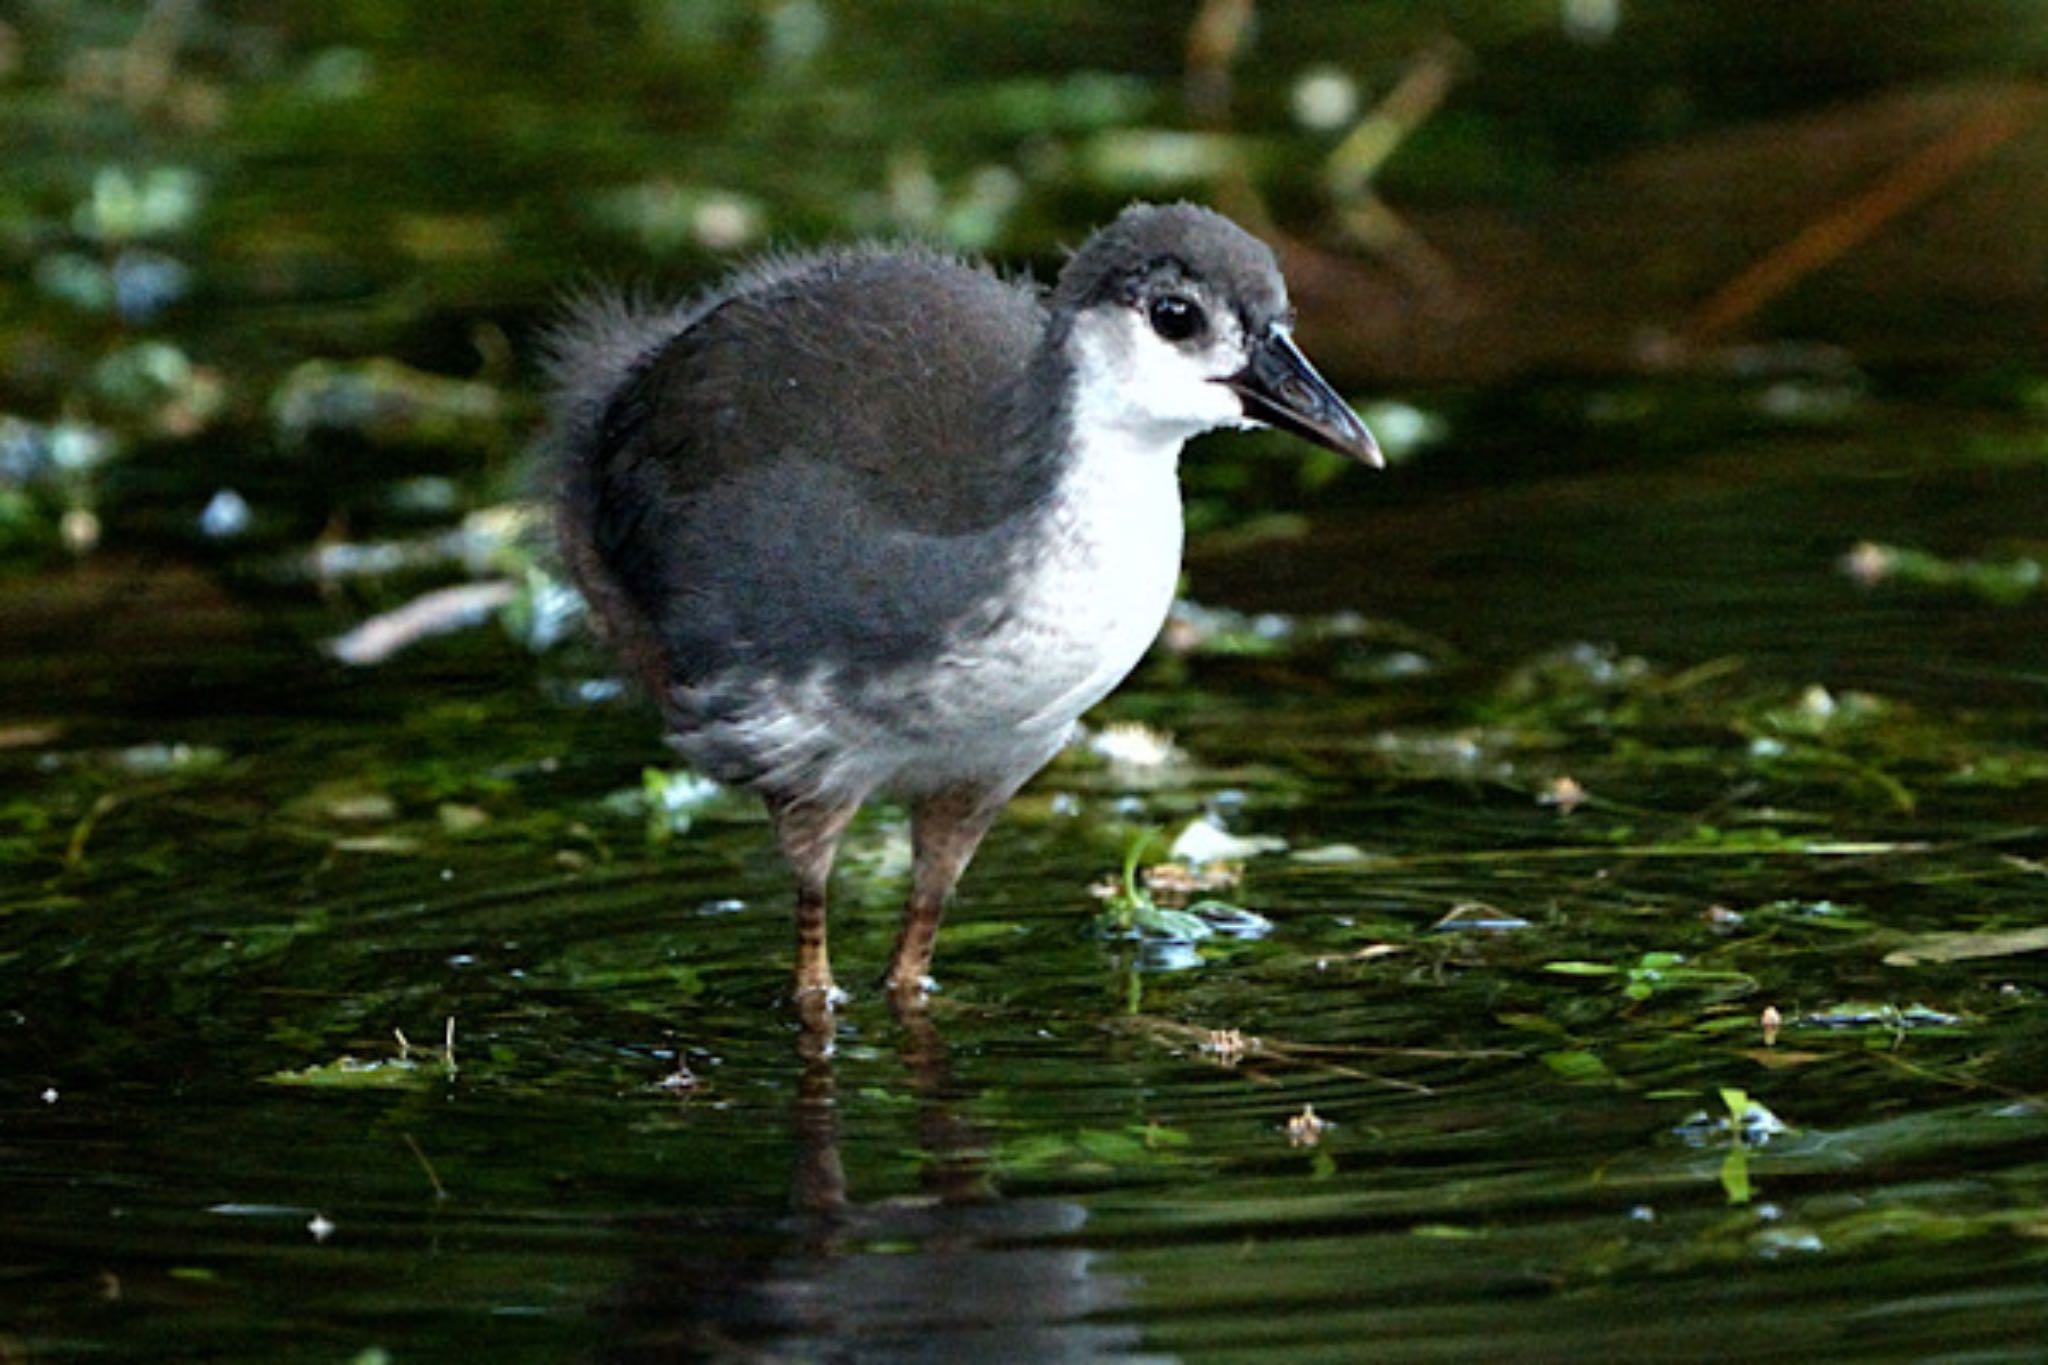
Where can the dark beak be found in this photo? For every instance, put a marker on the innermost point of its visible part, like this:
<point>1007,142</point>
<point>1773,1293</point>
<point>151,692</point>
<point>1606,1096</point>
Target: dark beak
<point>1281,389</point>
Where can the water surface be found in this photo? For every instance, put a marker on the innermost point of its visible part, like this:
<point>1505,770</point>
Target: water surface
<point>1516,1012</point>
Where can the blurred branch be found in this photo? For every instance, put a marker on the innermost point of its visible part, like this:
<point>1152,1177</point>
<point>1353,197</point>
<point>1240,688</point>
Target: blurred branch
<point>1365,219</point>
<point>149,61</point>
<point>1826,240</point>
<point>1218,37</point>
<point>435,613</point>
<point>1415,98</point>
<point>1215,39</point>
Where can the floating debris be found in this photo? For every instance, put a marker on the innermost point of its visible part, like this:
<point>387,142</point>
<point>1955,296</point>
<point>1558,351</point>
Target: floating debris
<point>1721,919</point>
<point>439,612</point>
<point>1130,745</point>
<point>1756,1126</point>
<point>1461,755</point>
<point>1228,1046</point>
<point>1478,916</point>
<point>670,801</point>
<point>345,801</point>
<point>491,541</point>
<point>1205,841</point>
<point>1194,628</point>
<point>158,384</point>
<point>32,735</point>
<point>1182,881</point>
<point>225,516</point>
<point>1332,853</point>
<point>2003,582</point>
<point>1369,953</point>
<point>1771,1021</point>
<point>1564,793</point>
<point>1890,1017</point>
<point>387,404</point>
<point>1306,1128</point>
<point>356,1073</point>
<point>1961,947</point>
<point>168,759</point>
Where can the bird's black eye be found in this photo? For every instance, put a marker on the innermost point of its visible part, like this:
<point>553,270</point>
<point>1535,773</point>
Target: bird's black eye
<point>1176,317</point>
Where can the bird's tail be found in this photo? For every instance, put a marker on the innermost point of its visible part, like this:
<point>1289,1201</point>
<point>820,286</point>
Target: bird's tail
<point>602,343</point>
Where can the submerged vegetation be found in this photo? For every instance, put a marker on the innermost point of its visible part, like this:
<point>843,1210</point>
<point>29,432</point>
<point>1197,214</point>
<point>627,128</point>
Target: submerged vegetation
<point>1597,867</point>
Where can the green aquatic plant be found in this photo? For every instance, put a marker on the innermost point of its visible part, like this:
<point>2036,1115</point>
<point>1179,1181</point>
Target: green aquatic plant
<point>1749,1124</point>
<point>1132,910</point>
<point>1133,1148</point>
<point>1653,973</point>
<point>2003,582</point>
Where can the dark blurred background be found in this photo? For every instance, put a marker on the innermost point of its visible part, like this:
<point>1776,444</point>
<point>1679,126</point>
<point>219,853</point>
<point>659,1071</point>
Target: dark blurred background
<point>274,271</point>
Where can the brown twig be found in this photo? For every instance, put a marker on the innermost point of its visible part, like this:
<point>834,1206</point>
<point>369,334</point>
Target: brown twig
<point>1365,218</point>
<point>1215,39</point>
<point>1826,240</point>
<point>1424,85</point>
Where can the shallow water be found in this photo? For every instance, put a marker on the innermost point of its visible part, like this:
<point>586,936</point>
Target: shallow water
<point>637,1154</point>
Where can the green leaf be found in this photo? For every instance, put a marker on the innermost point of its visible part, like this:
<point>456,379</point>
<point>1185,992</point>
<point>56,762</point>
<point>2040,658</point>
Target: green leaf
<point>353,1073</point>
<point>1581,968</point>
<point>1963,947</point>
<point>980,931</point>
<point>1577,1064</point>
<point>1735,1174</point>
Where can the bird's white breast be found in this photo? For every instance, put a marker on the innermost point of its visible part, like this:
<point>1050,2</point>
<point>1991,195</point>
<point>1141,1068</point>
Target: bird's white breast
<point>1100,576</point>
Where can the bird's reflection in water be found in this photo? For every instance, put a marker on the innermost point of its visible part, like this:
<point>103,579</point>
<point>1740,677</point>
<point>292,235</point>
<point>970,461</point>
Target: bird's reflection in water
<point>955,1274</point>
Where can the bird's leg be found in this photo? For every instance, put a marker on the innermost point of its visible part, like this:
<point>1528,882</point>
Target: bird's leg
<point>809,833</point>
<point>945,828</point>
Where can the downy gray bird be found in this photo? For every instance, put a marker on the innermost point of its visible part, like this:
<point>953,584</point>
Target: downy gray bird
<point>874,520</point>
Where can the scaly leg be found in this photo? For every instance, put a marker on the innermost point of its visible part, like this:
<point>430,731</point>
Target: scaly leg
<point>945,831</point>
<point>809,834</point>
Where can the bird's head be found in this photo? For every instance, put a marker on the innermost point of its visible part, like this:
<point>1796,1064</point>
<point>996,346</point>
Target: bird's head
<point>1176,322</point>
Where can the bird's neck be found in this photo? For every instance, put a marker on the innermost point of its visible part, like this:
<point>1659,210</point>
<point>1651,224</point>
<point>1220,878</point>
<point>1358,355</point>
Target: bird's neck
<point>1077,416</point>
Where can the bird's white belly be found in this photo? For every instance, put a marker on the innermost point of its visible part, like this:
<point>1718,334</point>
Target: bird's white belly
<point>1094,584</point>
<point>1094,575</point>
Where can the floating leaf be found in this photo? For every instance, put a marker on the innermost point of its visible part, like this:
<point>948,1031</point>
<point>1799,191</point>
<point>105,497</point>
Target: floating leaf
<point>1582,968</point>
<point>1964,946</point>
<point>354,1073</point>
<point>1576,1064</point>
<point>2001,581</point>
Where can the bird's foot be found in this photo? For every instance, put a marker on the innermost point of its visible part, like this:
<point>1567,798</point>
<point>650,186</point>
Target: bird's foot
<point>906,989</point>
<point>816,1025</point>
<point>822,993</point>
